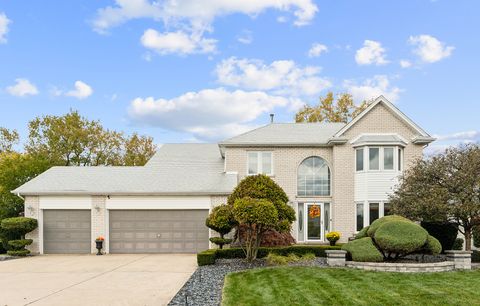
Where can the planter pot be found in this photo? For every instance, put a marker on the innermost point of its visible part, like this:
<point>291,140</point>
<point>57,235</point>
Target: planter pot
<point>99,246</point>
<point>332,243</point>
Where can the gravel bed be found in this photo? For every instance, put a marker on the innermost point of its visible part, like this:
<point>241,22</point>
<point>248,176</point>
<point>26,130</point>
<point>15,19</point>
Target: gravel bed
<point>204,288</point>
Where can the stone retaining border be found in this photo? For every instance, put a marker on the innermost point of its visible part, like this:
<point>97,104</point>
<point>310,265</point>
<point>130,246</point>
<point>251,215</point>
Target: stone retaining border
<point>403,267</point>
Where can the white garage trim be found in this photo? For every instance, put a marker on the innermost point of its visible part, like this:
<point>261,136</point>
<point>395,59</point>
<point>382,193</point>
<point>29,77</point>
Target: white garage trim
<point>65,202</point>
<point>158,202</point>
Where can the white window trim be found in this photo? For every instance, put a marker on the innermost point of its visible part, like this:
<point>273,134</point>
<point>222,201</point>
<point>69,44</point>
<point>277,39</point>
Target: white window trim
<point>259,162</point>
<point>356,153</point>
<point>381,157</point>
<point>366,211</point>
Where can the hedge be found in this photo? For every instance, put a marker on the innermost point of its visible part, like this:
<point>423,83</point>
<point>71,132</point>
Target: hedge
<point>208,257</point>
<point>446,233</point>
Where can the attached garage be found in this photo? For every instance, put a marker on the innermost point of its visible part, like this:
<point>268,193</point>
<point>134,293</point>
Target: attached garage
<point>158,231</point>
<point>66,231</point>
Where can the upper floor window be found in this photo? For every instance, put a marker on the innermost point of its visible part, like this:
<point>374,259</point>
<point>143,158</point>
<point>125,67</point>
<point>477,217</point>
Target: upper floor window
<point>379,158</point>
<point>260,163</point>
<point>313,177</point>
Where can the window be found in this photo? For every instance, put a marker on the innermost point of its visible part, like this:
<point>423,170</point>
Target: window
<point>387,211</point>
<point>400,159</point>
<point>359,159</point>
<point>359,217</point>
<point>388,159</point>
<point>374,158</point>
<point>313,177</point>
<point>326,216</point>
<point>374,212</point>
<point>260,162</point>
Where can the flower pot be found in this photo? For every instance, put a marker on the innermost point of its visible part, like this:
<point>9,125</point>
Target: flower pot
<point>333,242</point>
<point>99,246</point>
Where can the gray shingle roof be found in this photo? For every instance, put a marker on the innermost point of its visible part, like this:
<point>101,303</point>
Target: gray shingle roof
<point>174,169</point>
<point>287,134</point>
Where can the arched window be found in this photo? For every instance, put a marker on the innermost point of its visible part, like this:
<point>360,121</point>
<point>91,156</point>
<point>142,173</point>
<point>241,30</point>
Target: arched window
<point>313,177</point>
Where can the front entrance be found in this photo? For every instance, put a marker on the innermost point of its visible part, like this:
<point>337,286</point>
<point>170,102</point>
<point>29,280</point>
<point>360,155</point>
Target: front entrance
<point>316,217</point>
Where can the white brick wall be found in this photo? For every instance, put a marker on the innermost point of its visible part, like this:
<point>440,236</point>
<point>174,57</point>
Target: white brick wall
<point>33,212</point>
<point>98,220</point>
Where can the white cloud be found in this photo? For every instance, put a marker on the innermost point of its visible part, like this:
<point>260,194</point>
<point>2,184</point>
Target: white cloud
<point>280,77</point>
<point>197,14</point>
<point>405,64</point>
<point>22,88</point>
<point>464,136</point>
<point>317,49</point>
<point>209,114</point>
<point>81,91</point>
<point>372,52</point>
<point>372,88</point>
<point>245,38</point>
<point>177,42</point>
<point>430,49</point>
<point>4,22</point>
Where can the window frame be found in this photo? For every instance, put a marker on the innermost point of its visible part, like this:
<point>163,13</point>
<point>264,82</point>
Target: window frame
<point>366,211</point>
<point>259,156</point>
<point>379,158</point>
<point>330,179</point>
<point>393,158</point>
<point>363,149</point>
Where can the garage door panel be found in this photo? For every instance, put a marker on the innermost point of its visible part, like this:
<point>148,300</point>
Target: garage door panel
<point>66,231</point>
<point>158,231</point>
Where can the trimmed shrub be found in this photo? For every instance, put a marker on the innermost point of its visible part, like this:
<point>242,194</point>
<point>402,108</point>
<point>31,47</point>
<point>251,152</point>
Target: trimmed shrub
<point>400,237</point>
<point>222,221</point>
<point>299,250</point>
<point>19,253</point>
<point>19,225</point>
<point>379,222</point>
<point>362,233</point>
<point>220,241</point>
<point>458,245</point>
<point>432,246</point>
<point>206,258</point>
<point>446,233</point>
<point>20,244</point>
<point>363,250</point>
<point>476,236</point>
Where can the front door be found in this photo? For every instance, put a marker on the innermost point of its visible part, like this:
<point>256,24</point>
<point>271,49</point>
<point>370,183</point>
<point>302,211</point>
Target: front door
<point>314,216</point>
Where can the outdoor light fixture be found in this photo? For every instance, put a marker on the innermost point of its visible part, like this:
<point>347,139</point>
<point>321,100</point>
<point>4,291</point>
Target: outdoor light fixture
<point>30,209</point>
<point>97,208</point>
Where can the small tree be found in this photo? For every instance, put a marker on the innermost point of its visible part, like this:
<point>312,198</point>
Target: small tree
<point>222,221</point>
<point>19,226</point>
<point>257,216</point>
<point>443,188</point>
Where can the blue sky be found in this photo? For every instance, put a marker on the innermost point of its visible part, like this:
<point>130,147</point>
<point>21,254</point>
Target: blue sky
<point>205,70</point>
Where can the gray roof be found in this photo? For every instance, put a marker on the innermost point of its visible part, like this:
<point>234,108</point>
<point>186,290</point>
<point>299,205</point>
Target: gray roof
<point>175,169</point>
<point>379,139</point>
<point>287,134</point>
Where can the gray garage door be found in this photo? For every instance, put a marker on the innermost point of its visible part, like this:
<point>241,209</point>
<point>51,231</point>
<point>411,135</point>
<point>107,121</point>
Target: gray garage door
<point>66,231</point>
<point>158,231</point>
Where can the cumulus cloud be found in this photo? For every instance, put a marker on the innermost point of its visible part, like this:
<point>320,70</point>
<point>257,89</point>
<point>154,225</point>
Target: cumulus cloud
<point>372,52</point>
<point>317,49</point>
<point>4,22</point>
<point>464,136</point>
<point>197,13</point>
<point>209,114</point>
<point>22,88</point>
<point>245,38</point>
<point>81,91</point>
<point>372,88</point>
<point>429,49</point>
<point>177,42</point>
<point>405,64</point>
<point>280,77</point>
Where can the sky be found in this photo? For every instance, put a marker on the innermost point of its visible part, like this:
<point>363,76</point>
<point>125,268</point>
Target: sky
<point>203,71</point>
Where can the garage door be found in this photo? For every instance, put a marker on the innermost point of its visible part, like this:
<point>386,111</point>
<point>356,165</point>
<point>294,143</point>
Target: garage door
<point>66,231</point>
<point>158,231</point>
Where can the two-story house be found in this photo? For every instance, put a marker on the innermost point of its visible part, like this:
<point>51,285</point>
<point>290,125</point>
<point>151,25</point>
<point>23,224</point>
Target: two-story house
<point>346,171</point>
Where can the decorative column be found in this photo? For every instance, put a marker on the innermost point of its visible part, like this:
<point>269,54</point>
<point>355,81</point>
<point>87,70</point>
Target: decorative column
<point>336,258</point>
<point>461,259</point>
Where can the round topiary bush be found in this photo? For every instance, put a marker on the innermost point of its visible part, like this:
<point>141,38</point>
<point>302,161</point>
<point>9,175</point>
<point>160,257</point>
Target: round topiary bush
<point>400,237</point>
<point>379,222</point>
<point>432,246</point>
<point>222,221</point>
<point>362,233</point>
<point>363,250</point>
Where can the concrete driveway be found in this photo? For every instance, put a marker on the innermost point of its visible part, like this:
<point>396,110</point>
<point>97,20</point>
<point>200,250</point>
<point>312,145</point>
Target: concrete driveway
<point>94,280</point>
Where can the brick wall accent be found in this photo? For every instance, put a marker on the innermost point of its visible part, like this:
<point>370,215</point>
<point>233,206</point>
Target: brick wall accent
<point>33,212</point>
<point>98,220</point>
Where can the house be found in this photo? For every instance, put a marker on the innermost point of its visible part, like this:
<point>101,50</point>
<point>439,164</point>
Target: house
<point>337,177</point>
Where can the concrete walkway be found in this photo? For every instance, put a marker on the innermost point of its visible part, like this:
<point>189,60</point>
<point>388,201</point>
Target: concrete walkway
<point>94,280</point>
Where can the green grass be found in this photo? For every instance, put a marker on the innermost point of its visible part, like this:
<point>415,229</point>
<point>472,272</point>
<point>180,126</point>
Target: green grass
<point>323,286</point>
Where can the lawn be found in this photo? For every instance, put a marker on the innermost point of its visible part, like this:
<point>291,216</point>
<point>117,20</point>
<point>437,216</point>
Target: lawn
<point>323,286</point>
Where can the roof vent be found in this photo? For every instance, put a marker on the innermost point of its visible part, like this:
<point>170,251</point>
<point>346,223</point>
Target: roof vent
<point>271,117</point>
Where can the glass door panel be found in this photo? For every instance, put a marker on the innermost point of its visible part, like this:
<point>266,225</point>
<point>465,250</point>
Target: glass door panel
<point>314,222</point>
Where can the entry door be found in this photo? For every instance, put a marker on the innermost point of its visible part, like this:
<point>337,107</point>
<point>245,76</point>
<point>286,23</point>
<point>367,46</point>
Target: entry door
<point>314,216</point>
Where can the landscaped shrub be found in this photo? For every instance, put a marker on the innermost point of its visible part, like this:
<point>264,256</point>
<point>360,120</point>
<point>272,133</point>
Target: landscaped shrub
<point>363,250</point>
<point>379,222</point>
<point>278,260</point>
<point>446,233</point>
<point>400,238</point>
<point>458,245</point>
<point>18,226</point>
<point>206,258</point>
<point>362,233</point>
<point>222,221</point>
<point>476,236</point>
<point>475,256</point>
<point>432,246</point>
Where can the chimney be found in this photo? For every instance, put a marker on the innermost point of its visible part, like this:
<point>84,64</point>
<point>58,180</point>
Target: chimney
<point>271,117</point>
